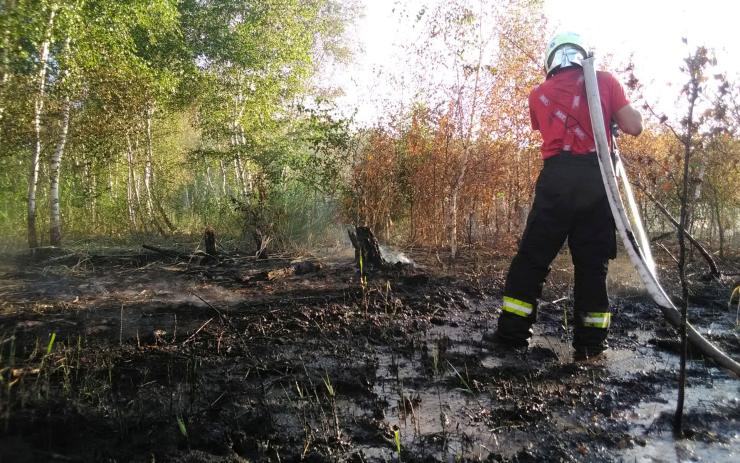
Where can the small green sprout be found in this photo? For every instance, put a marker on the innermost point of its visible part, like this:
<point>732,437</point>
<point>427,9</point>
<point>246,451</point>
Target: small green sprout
<point>329,387</point>
<point>363,278</point>
<point>461,378</point>
<point>50,346</point>
<point>181,425</point>
<point>300,391</point>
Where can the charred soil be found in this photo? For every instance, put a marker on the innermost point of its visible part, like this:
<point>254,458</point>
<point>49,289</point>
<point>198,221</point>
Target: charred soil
<point>146,357</point>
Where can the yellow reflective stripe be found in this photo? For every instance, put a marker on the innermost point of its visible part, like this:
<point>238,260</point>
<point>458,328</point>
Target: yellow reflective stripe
<point>517,307</point>
<point>597,319</point>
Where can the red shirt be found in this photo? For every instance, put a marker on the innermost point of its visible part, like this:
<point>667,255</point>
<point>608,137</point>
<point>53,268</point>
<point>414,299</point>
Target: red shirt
<point>559,110</point>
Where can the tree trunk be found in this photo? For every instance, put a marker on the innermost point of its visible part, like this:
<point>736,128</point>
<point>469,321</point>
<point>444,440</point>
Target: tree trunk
<point>684,218</point>
<point>93,199</point>
<point>33,178</point>
<point>130,180</point>
<point>224,185</point>
<point>55,221</point>
<point>112,194</point>
<point>367,249</point>
<point>209,241</point>
<point>5,78</point>
<point>152,205</point>
<point>55,225</point>
<point>239,170</point>
<point>412,231</point>
<point>467,136</point>
<point>457,186</point>
<point>210,189</point>
<point>453,222</point>
<point>136,180</point>
<point>246,175</point>
<point>720,231</point>
<point>717,211</point>
<point>236,143</point>
<point>148,165</point>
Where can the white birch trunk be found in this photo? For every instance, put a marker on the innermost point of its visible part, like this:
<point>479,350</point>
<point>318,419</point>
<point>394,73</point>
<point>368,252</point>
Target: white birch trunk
<point>5,79</point>
<point>135,175</point>
<point>130,182</point>
<point>148,164</point>
<point>247,176</point>
<point>457,186</point>
<point>467,140</point>
<point>453,222</point>
<point>239,170</point>
<point>112,194</point>
<point>93,200</point>
<point>210,189</point>
<point>238,140</point>
<point>224,184</point>
<point>33,178</point>
<point>55,224</point>
<point>55,220</point>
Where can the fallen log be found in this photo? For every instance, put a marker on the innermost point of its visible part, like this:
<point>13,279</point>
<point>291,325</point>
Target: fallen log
<point>164,251</point>
<point>47,252</point>
<point>297,268</point>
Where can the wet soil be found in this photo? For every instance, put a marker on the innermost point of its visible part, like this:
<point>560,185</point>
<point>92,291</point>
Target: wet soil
<point>143,357</point>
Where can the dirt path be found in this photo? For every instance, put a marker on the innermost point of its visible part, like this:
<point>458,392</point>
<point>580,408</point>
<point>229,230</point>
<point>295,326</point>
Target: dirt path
<point>156,360</point>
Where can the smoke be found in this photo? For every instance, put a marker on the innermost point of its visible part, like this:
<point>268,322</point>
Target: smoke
<point>337,245</point>
<point>394,257</point>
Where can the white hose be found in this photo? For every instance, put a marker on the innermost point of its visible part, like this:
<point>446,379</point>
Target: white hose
<point>638,247</point>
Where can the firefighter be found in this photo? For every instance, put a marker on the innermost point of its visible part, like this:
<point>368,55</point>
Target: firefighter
<point>570,201</point>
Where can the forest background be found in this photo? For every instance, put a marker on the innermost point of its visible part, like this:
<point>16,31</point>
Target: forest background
<point>122,120</point>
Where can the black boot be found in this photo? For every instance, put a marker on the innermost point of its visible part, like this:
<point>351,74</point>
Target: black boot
<point>513,331</point>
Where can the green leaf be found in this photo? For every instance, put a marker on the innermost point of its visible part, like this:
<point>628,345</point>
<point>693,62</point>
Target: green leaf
<point>181,426</point>
<point>51,343</point>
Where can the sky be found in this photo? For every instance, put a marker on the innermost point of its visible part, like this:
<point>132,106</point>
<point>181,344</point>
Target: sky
<point>649,31</point>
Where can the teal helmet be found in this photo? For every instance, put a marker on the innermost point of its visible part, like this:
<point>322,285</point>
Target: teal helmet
<point>563,50</point>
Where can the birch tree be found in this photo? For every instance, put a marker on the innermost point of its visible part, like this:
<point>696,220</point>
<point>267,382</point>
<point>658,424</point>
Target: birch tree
<point>467,43</point>
<point>7,27</point>
<point>111,84</point>
<point>256,59</point>
<point>65,63</point>
<point>40,99</point>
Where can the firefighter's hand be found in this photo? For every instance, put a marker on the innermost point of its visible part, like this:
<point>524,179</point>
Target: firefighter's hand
<point>615,129</point>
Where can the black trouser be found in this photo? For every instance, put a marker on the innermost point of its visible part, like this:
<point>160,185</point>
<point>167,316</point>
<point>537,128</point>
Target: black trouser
<point>570,202</point>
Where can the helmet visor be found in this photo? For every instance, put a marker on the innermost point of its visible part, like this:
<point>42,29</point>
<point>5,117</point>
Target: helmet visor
<point>565,56</point>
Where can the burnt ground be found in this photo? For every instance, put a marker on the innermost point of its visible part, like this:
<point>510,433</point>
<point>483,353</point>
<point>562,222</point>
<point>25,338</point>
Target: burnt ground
<point>133,356</point>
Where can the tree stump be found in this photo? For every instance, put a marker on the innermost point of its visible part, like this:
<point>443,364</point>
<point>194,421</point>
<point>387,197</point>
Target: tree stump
<point>262,241</point>
<point>209,243</point>
<point>366,248</point>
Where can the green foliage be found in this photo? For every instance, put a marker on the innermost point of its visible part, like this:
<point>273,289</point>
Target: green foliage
<point>180,110</point>
<point>329,387</point>
<point>181,426</point>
